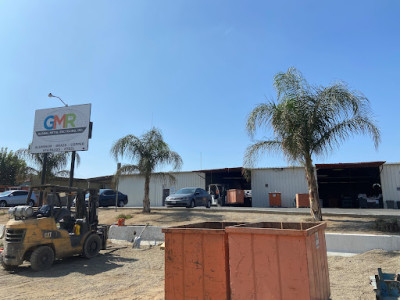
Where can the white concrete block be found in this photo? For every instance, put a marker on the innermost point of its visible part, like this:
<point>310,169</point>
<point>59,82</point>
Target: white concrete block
<point>360,243</point>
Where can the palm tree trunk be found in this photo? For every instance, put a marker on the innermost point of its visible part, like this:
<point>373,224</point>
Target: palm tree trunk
<point>313,190</point>
<point>146,199</point>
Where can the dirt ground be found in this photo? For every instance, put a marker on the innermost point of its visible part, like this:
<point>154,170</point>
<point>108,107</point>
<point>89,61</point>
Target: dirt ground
<point>139,274</point>
<point>183,216</point>
<point>126,273</point>
<point>187,216</point>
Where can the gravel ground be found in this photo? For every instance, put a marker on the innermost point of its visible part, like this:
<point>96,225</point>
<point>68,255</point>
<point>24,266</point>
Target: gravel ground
<point>126,273</point>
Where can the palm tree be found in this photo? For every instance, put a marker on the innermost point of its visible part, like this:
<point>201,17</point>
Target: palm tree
<point>149,151</point>
<point>309,121</point>
<point>55,166</point>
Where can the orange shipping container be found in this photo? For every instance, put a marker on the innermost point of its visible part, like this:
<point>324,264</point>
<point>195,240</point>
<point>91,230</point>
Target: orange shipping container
<point>196,261</point>
<point>278,261</point>
<point>235,196</point>
<point>302,200</point>
<point>275,199</point>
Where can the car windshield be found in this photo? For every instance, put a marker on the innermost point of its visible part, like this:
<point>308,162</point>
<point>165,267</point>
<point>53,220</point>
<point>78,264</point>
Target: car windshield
<point>185,191</point>
<point>6,193</point>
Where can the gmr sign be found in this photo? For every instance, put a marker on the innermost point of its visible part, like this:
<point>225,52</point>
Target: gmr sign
<point>61,129</point>
<point>51,121</point>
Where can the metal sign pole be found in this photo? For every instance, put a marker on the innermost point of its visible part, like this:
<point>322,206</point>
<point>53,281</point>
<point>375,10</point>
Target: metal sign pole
<point>43,179</point>
<point>116,185</point>
<point>71,172</point>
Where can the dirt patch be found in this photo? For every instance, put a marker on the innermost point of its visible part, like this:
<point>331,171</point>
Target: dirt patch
<point>185,216</point>
<point>349,276</point>
<point>126,273</point>
<point>114,274</point>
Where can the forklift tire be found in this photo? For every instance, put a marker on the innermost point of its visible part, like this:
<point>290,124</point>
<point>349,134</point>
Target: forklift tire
<point>42,258</point>
<point>7,267</point>
<point>92,246</point>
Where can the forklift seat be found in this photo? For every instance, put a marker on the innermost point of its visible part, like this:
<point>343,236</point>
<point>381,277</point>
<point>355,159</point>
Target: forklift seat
<point>60,213</point>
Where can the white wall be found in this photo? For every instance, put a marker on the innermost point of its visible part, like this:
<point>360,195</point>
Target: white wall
<point>133,186</point>
<point>288,181</point>
<point>390,182</point>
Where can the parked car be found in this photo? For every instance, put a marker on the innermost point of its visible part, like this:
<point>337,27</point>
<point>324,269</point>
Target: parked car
<point>189,197</point>
<point>17,197</point>
<point>107,198</point>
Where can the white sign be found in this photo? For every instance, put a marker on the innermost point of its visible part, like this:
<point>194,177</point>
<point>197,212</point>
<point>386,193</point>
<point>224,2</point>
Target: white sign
<point>61,129</point>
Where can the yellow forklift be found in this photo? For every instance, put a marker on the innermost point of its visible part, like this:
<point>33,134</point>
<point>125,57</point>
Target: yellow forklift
<point>55,229</point>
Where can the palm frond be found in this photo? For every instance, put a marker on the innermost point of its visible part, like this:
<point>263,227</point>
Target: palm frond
<point>253,152</point>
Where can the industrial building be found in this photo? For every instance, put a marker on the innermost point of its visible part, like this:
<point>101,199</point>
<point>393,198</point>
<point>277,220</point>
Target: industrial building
<point>343,185</point>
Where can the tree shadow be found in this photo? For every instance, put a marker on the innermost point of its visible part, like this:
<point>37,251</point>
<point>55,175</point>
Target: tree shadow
<point>365,226</point>
<point>104,262</point>
<point>185,215</point>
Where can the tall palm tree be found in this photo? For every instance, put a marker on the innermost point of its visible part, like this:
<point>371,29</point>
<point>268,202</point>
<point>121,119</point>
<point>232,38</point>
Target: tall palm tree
<point>309,121</point>
<point>149,151</point>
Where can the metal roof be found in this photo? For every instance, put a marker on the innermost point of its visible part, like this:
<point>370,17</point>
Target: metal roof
<point>371,164</point>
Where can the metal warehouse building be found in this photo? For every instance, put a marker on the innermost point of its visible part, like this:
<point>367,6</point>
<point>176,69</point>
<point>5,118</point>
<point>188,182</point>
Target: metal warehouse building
<point>340,185</point>
<point>160,186</point>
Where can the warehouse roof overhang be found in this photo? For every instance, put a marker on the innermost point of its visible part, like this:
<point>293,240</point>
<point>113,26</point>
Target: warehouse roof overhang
<point>238,169</point>
<point>371,164</point>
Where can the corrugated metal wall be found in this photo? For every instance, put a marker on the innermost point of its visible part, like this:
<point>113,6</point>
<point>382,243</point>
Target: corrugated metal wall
<point>390,182</point>
<point>288,181</point>
<point>133,186</point>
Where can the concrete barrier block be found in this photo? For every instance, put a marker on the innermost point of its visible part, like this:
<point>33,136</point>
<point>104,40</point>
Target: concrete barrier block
<point>360,243</point>
<point>127,233</point>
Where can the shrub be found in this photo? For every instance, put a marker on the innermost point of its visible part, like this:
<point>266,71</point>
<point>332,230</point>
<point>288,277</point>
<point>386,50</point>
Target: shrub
<point>123,216</point>
<point>387,225</point>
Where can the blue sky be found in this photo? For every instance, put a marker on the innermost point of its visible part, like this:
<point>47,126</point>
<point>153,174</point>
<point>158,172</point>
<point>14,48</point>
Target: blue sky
<point>194,69</point>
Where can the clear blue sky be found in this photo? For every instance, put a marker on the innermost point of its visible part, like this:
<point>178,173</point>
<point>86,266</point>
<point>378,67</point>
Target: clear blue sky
<point>194,69</point>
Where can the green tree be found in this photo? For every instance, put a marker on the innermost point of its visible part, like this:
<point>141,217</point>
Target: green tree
<point>13,170</point>
<point>56,163</point>
<point>309,121</point>
<point>149,151</point>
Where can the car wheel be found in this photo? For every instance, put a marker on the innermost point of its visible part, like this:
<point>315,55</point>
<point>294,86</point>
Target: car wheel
<point>92,246</point>
<point>121,203</point>
<point>31,203</point>
<point>192,204</point>
<point>208,205</point>
<point>3,203</point>
<point>42,258</point>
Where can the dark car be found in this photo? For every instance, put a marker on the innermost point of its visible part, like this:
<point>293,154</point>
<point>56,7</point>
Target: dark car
<point>107,198</point>
<point>189,197</point>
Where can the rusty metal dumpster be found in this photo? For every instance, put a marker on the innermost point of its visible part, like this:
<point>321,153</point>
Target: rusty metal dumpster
<point>196,261</point>
<point>274,260</point>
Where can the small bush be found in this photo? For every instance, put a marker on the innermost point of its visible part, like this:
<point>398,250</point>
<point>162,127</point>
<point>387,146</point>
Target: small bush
<point>387,225</point>
<point>123,216</point>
